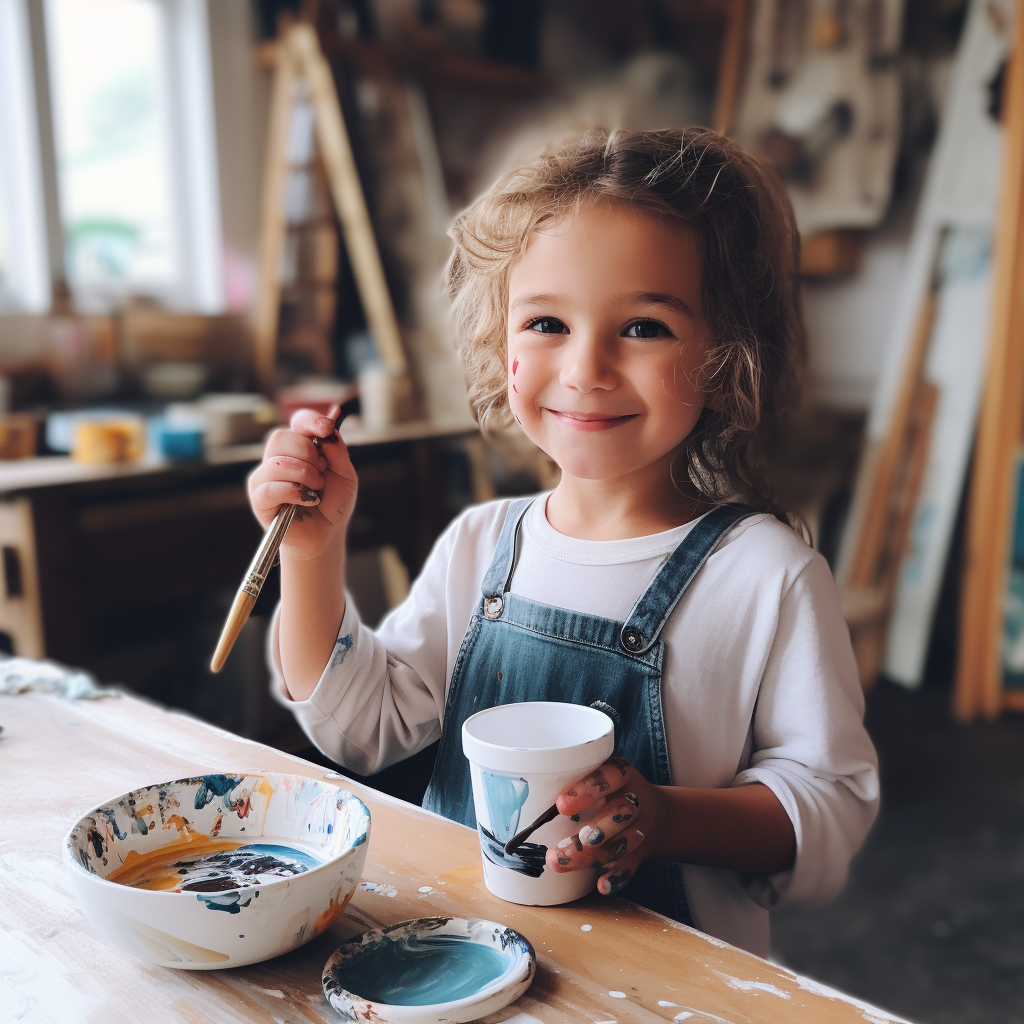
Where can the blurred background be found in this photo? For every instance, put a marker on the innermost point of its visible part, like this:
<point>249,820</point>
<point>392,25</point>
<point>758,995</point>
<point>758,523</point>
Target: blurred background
<point>213,212</point>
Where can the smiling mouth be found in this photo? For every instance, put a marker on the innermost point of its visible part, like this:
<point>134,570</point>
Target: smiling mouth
<point>590,420</point>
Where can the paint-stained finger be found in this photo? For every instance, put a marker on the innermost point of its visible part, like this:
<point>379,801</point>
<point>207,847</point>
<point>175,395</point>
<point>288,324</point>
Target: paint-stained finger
<point>312,423</point>
<point>283,467</point>
<point>620,872</point>
<point>571,855</point>
<point>293,445</point>
<point>574,854</point>
<point>619,811</point>
<point>609,777</point>
<point>269,497</point>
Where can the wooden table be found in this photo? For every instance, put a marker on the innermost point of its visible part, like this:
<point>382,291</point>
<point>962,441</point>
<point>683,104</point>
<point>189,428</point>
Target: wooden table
<point>599,960</point>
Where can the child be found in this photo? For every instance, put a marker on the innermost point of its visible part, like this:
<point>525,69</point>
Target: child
<point>632,301</point>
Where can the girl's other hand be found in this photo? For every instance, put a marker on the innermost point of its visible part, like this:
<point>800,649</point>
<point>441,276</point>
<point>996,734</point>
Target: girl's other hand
<point>624,832</point>
<point>295,471</point>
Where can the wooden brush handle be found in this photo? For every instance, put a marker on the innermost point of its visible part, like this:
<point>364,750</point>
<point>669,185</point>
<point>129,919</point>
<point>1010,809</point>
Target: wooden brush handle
<point>260,566</point>
<point>240,609</point>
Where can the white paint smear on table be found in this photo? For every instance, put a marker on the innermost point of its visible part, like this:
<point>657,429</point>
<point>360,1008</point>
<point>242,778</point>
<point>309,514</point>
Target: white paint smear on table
<point>380,888</point>
<point>665,1002</point>
<point>752,986</point>
<point>615,994</point>
<point>698,1016</point>
<point>425,888</point>
<point>275,992</point>
<point>585,927</point>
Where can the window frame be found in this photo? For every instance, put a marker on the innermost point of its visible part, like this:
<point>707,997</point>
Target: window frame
<point>198,286</point>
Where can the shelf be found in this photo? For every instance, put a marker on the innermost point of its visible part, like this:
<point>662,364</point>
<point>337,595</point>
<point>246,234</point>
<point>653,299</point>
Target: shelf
<point>437,66</point>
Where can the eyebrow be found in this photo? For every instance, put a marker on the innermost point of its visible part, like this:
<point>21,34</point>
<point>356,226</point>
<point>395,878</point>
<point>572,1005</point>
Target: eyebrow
<point>646,298</point>
<point>530,300</point>
<point>661,299</point>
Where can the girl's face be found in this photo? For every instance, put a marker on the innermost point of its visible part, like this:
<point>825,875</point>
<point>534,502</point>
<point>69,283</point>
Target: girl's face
<point>605,334</point>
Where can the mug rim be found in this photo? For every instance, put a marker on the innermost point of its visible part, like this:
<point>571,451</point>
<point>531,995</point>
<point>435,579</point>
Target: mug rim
<point>555,760</point>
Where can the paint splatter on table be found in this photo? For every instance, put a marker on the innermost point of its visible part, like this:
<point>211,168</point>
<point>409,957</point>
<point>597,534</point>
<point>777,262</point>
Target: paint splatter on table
<point>60,758</point>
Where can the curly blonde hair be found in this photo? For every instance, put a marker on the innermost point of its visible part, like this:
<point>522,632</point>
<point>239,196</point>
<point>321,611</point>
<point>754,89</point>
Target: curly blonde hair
<point>743,222</point>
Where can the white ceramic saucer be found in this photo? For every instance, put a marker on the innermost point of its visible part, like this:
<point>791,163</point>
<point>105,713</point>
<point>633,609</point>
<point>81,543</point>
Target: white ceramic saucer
<point>429,971</point>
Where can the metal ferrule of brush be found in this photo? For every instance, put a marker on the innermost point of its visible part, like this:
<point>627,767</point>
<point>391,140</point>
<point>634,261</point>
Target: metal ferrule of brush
<point>265,555</point>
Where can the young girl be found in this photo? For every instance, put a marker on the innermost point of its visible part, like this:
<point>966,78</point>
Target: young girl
<point>632,302</point>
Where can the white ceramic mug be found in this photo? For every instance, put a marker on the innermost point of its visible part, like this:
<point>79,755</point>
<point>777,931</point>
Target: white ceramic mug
<point>521,756</point>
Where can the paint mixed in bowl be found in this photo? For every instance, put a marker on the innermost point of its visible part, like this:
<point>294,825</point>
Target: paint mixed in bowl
<point>277,857</point>
<point>430,970</point>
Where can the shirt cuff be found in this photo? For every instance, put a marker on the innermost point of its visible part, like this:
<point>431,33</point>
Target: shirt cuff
<point>342,646</point>
<point>769,890</point>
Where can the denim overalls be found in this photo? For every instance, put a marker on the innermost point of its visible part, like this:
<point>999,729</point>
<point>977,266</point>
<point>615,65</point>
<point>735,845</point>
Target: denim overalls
<point>520,650</point>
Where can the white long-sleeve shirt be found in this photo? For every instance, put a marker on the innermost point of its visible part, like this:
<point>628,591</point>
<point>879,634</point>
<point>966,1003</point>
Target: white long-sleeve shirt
<point>759,683</point>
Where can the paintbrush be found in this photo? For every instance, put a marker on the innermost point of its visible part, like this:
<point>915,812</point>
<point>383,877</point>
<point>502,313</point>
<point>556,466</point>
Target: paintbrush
<point>520,837</point>
<point>263,561</point>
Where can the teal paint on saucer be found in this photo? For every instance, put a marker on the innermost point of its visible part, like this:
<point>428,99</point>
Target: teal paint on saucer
<point>419,971</point>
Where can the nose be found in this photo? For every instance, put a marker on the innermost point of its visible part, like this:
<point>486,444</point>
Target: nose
<point>588,363</point>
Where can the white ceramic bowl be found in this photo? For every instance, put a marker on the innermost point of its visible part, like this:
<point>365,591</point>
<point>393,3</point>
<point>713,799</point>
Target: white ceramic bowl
<point>434,970</point>
<point>223,905</point>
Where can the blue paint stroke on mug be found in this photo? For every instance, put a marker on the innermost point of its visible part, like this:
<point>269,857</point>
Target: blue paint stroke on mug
<point>418,971</point>
<point>505,798</point>
<point>527,860</point>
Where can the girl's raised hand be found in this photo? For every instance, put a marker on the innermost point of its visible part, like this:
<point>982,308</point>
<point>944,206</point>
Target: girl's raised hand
<point>624,832</point>
<point>294,471</point>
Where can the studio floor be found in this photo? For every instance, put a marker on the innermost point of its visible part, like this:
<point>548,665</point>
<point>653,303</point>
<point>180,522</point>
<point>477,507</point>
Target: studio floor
<point>931,924</point>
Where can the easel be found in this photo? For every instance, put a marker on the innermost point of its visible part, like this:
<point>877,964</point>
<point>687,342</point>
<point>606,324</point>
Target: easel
<point>978,686</point>
<point>938,335</point>
<point>298,57</point>
<point>892,475</point>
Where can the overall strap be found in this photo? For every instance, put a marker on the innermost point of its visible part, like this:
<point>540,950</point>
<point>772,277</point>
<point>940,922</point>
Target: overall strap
<point>656,604</point>
<point>499,576</point>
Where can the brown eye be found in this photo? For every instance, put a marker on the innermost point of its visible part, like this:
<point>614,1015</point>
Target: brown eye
<point>548,325</point>
<point>646,329</point>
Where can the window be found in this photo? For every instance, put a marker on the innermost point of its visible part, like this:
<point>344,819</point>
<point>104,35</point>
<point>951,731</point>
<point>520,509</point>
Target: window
<point>111,116</point>
<point>136,206</point>
<point>24,269</point>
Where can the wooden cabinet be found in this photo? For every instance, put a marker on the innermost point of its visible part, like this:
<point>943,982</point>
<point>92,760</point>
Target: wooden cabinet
<point>127,571</point>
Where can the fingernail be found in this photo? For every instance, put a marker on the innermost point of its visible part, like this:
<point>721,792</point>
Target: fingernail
<point>566,843</point>
<point>563,860</point>
<point>574,817</point>
<point>591,835</point>
<point>311,497</point>
<point>631,797</point>
<point>639,833</point>
<point>620,818</point>
<point>570,792</point>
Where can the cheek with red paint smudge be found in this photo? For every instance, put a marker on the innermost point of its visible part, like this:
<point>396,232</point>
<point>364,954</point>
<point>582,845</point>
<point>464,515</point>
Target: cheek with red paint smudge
<point>515,366</point>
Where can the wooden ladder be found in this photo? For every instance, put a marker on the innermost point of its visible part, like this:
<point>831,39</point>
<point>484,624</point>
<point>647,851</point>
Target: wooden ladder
<point>300,67</point>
